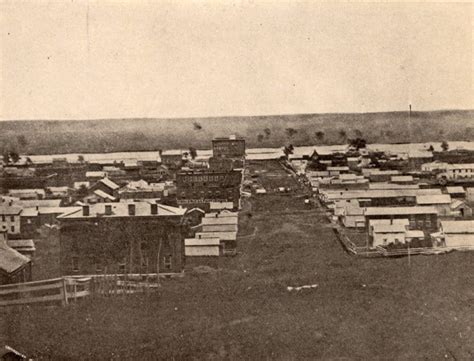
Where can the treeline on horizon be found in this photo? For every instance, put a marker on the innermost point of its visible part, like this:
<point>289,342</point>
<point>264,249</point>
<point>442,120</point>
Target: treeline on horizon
<point>114,135</point>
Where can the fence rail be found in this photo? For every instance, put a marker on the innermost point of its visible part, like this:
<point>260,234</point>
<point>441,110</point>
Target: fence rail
<point>71,288</point>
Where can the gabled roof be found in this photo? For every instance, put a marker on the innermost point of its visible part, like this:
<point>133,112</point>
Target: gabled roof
<point>7,210</point>
<point>107,182</point>
<point>414,234</point>
<point>19,245</point>
<point>452,190</point>
<point>458,203</point>
<point>191,242</point>
<point>219,220</point>
<point>223,236</point>
<point>433,199</point>
<point>32,203</point>
<point>11,260</point>
<point>100,193</point>
<point>458,227</point>
<point>387,211</point>
<point>95,174</point>
<point>389,228</point>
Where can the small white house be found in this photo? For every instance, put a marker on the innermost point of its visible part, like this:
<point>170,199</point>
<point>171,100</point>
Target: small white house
<point>384,234</point>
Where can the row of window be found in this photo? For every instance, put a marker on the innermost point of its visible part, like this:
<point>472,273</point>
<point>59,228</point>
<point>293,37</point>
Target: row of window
<point>12,228</point>
<point>4,218</point>
<point>203,178</point>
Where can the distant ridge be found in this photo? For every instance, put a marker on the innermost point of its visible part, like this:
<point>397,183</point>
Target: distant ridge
<point>139,134</point>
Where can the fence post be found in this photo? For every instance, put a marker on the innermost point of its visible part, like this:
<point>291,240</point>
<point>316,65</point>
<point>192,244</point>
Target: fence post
<point>64,300</point>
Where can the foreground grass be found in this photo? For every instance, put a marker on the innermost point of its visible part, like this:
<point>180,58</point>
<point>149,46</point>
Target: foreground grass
<point>362,309</point>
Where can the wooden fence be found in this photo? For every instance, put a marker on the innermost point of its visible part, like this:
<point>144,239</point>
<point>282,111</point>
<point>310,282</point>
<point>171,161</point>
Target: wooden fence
<point>71,288</point>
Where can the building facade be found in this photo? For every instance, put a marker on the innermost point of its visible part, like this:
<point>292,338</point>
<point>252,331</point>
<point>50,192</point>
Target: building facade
<point>138,237</point>
<point>232,147</point>
<point>200,188</point>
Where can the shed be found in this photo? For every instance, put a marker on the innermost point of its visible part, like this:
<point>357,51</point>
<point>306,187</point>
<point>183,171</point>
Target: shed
<point>14,267</point>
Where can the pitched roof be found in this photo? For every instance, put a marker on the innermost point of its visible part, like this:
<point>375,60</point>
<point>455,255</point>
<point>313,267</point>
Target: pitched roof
<point>433,199</point>
<point>120,209</point>
<point>95,174</point>
<point>458,189</point>
<point>401,178</point>
<point>223,236</point>
<point>414,234</point>
<point>458,226</point>
<point>374,211</point>
<point>457,203</point>
<point>22,245</point>
<point>389,228</point>
<point>214,241</point>
<point>109,183</point>
<point>32,203</point>
<point>219,228</point>
<point>221,205</point>
<point>219,220</point>
<point>7,210</point>
<point>11,260</point>
<point>100,193</point>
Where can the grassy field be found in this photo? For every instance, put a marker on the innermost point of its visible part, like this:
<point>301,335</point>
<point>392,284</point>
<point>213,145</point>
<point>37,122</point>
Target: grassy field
<point>114,135</point>
<point>362,309</point>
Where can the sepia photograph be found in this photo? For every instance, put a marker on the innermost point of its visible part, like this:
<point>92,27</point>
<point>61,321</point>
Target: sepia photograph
<point>236,180</point>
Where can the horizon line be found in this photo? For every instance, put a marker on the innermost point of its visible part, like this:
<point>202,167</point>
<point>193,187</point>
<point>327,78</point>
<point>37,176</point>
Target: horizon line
<point>233,116</point>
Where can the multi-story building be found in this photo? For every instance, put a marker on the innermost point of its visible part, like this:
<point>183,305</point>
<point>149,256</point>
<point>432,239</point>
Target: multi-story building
<point>232,147</point>
<point>199,188</point>
<point>122,237</point>
<point>10,219</point>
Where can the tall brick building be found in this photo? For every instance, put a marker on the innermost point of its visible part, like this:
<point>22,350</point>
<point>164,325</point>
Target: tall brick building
<point>199,188</point>
<point>232,147</point>
<point>122,237</point>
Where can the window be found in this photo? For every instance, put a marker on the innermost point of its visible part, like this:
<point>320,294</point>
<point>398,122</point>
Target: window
<point>75,264</point>
<point>3,218</point>
<point>13,229</point>
<point>167,262</point>
<point>12,218</point>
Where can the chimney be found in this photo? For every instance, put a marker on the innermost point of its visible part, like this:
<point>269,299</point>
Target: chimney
<point>85,211</point>
<point>108,209</point>
<point>131,209</point>
<point>154,209</point>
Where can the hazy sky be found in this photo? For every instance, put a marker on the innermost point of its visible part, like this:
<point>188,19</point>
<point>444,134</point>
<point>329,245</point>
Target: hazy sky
<point>101,59</point>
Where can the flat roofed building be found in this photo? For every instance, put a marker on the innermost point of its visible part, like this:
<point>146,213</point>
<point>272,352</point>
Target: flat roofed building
<point>200,188</point>
<point>231,147</point>
<point>122,237</point>
<point>420,218</point>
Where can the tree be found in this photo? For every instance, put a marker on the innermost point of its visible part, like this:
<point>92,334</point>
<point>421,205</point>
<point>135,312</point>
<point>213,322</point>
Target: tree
<point>288,149</point>
<point>6,157</point>
<point>290,132</point>
<point>14,156</point>
<point>357,143</point>
<point>319,135</point>
<point>192,152</point>
<point>28,161</point>
<point>82,191</point>
<point>444,146</point>
<point>431,148</point>
<point>185,154</point>
<point>267,132</point>
<point>197,126</point>
<point>22,142</point>
<point>260,137</point>
<point>80,158</point>
<point>342,134</point>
